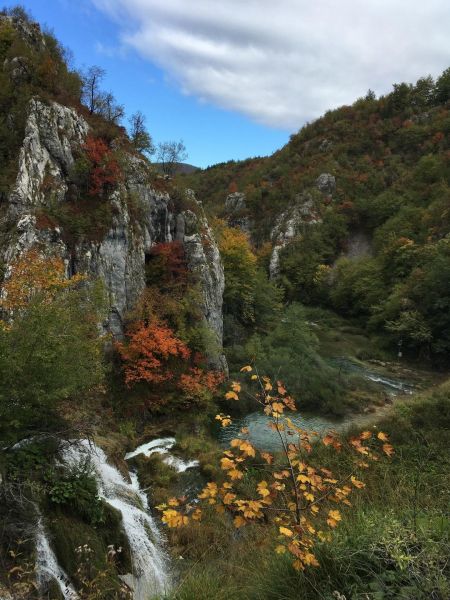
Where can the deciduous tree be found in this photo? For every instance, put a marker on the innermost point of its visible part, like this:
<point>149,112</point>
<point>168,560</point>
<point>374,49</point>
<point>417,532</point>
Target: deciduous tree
<point>290,493</point>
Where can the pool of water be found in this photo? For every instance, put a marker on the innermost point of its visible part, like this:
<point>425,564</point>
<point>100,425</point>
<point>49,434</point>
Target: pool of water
<point>261,436</point>
<point>264,438</point>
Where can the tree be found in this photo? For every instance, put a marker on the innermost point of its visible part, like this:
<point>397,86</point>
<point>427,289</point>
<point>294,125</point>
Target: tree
<point>291,493</point>
<point>170,154</point>
<point>150,353</point>
<point>153,356</point>
<point>92,95</point>
<point>109,109</point>
<point>139,135</point>
<point>442,90</point>
<point>50,349</point>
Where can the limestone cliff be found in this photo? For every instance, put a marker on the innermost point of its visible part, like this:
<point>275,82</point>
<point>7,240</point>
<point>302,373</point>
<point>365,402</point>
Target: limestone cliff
<point>54,135</point>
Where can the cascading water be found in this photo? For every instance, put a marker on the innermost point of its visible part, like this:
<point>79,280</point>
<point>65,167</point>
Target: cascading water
<point>47,567</point>
<point>150,564</point>
<point>162,446</point>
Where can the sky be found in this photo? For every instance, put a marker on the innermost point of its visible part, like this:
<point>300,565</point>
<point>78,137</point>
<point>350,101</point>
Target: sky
<point>234,78</point>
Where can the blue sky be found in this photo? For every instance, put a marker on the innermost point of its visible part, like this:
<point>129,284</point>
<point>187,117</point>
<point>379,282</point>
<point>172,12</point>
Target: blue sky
<point>233,78</point>
<point>210,134</point>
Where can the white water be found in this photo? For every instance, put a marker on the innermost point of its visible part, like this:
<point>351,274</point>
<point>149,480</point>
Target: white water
<point>47,567</point>
<point>162,446</point>
<point>150,564</point>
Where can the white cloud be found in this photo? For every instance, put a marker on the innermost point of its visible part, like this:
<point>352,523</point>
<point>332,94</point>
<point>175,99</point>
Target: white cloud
<point>283,62</point>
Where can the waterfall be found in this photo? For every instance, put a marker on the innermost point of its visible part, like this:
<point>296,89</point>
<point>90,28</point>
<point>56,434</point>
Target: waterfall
<point>162,446</point>
<point>47,566</point>
<point>150,565</point>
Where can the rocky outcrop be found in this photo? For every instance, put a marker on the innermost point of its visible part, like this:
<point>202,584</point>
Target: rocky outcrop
<point>236,212</point>
<point>53,135</point>
<point>305,212</point>
<point>203,258</point>
<point>326,183</point>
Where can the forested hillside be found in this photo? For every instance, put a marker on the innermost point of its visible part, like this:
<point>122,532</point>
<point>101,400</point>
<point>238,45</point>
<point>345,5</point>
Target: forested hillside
<point>365,193</point>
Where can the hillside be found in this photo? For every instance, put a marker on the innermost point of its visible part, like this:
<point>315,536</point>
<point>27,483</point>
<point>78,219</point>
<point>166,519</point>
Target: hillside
<point>353,214</point>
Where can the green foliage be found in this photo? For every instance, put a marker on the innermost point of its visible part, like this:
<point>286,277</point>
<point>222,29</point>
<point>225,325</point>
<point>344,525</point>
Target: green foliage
<point>290,353</point>
<point>390,157</point>
<point>251,302</point>
<point>50,353</point>
<point>76,490</point>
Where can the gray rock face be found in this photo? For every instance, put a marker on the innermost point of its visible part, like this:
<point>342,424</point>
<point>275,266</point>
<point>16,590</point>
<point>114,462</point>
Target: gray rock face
<point>53,133</point>
<point>326,183</point>
<point>290,225</point>
<point>235,202</point>
<point>235,207</point>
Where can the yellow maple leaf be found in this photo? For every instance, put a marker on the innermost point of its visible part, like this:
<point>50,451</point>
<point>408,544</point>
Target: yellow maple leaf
<point>303,478</point>
<point>226,463</point>
<point>382,436</point>
<point>334,516</point>
<point>267,457</point>
<point>262,489</point>
<point>235,474</point>
<point>388,449</point>
<point>285,531</point>
<point>246,369</point>
<point>231,396</point>
<point>278,408</point>
<point>228,498</point>
<point>239,521</point>
<point>358,484</point>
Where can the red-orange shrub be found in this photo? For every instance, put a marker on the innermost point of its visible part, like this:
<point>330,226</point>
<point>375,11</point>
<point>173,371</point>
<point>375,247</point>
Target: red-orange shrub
<point>147,356</point>
<point>105,170</point>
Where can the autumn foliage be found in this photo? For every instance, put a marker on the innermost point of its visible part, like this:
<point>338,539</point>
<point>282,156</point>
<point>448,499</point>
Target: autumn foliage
<point>292,494</point>
<point>148,353</point>
<point>154,355</point>
<point>31,275</point>
<point>105,172</point>
<point>167,265</point>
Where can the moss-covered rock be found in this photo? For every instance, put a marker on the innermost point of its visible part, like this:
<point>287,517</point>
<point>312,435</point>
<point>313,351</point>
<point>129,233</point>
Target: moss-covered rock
<point>68,535</point>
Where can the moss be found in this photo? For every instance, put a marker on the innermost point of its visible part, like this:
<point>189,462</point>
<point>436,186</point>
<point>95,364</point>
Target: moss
<point>68,534</point>
<point>53,591</point>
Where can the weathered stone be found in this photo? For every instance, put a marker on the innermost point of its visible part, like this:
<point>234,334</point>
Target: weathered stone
<point>326,183</point>
<point>52,133</point>
<point>235,208</point>
<point>289,225</point>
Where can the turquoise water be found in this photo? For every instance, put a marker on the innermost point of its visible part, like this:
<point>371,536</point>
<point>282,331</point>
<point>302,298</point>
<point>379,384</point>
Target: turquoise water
<point>265,439</point>
<point>261,436</point>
